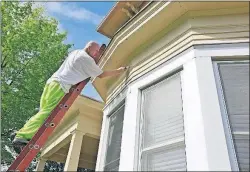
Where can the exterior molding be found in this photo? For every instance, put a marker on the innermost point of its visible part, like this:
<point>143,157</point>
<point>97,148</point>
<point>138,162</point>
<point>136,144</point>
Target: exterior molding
<point>187,31</point>
<point>222,50</point>
<point>204,132</point>
<point>102,148</point>
<point>128,146</point>
<point>214,51</point>
<point>127,12</point>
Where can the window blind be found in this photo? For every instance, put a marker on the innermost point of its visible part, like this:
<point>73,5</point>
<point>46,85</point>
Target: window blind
<point>234,80</point>
<point>162,143</point>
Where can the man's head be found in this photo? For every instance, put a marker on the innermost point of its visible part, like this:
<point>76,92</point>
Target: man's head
<point>92,48</point>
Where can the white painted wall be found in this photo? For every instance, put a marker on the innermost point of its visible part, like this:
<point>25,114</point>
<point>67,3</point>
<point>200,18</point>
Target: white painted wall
<point>206,147</point>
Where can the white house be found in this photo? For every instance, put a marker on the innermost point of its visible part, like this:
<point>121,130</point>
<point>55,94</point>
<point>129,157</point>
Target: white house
<point>184,102</point>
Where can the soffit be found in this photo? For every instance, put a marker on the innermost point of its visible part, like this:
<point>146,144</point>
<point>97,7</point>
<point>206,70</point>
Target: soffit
<point>118,16</point>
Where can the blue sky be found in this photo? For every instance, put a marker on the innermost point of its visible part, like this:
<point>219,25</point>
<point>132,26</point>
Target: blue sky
<point>80,21</point>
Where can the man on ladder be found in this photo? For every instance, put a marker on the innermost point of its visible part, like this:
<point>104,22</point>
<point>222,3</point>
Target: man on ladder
<point>78,66</point>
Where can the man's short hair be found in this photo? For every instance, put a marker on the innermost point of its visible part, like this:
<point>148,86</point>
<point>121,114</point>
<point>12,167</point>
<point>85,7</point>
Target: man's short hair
<point>89,44</point>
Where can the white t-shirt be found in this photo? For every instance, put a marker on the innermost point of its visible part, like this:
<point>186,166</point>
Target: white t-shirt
<point>77,67</point>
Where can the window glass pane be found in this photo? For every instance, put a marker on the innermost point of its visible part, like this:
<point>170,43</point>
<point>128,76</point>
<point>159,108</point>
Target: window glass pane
<point>163,123</point>
<point>235,84</point>
<point>172,159</point>
<point>114,140</point>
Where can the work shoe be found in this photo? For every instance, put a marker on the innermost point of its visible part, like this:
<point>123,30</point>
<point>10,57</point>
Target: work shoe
<point>18,143</point>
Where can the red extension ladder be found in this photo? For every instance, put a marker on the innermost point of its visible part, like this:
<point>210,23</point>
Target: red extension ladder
<point>36,143</point>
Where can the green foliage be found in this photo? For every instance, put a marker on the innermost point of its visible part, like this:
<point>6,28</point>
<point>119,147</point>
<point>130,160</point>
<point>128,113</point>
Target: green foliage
<point>32,50</point>
<point>51,166</point>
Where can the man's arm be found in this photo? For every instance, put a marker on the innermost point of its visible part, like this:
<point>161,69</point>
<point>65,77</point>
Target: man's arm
<point>113,72</point>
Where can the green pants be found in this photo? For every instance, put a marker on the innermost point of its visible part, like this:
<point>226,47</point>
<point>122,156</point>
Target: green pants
<point>52,94</point>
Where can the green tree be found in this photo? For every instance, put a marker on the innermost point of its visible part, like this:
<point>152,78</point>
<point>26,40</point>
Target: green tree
<point>32,50</point>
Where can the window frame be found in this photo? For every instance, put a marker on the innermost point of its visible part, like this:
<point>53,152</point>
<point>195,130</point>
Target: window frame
<point>166,144</point>
<point>115,108</point>
<point>224,112</point>
<point>159,74</point>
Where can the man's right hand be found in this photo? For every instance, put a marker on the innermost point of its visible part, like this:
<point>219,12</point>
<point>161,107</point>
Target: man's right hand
<point>122,69</point>
<point>113,72</point>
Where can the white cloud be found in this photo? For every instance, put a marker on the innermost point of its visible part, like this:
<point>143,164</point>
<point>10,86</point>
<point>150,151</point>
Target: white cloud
<point>60,28</point>
<point>46,13</point>
<point>71,11</point>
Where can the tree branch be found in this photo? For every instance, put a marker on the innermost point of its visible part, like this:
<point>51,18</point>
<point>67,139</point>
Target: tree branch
<point>16,75</point>
<point>3,64</point>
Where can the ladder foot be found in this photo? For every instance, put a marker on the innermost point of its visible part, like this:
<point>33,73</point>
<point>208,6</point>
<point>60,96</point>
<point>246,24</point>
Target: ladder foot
<point>18,148</point>
<point>19,144</point>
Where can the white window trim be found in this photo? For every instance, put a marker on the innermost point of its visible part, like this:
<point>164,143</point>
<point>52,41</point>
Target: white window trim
<point>226,123</point>
<point>102,144</point>
<point>167,144</point>
<point>222,50</point>
<point>104,139</point>
<point>128,156</point>
<point>204,132</point>
<point>129,134</point>
<point>132,112</point>
<point>231,149</point>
